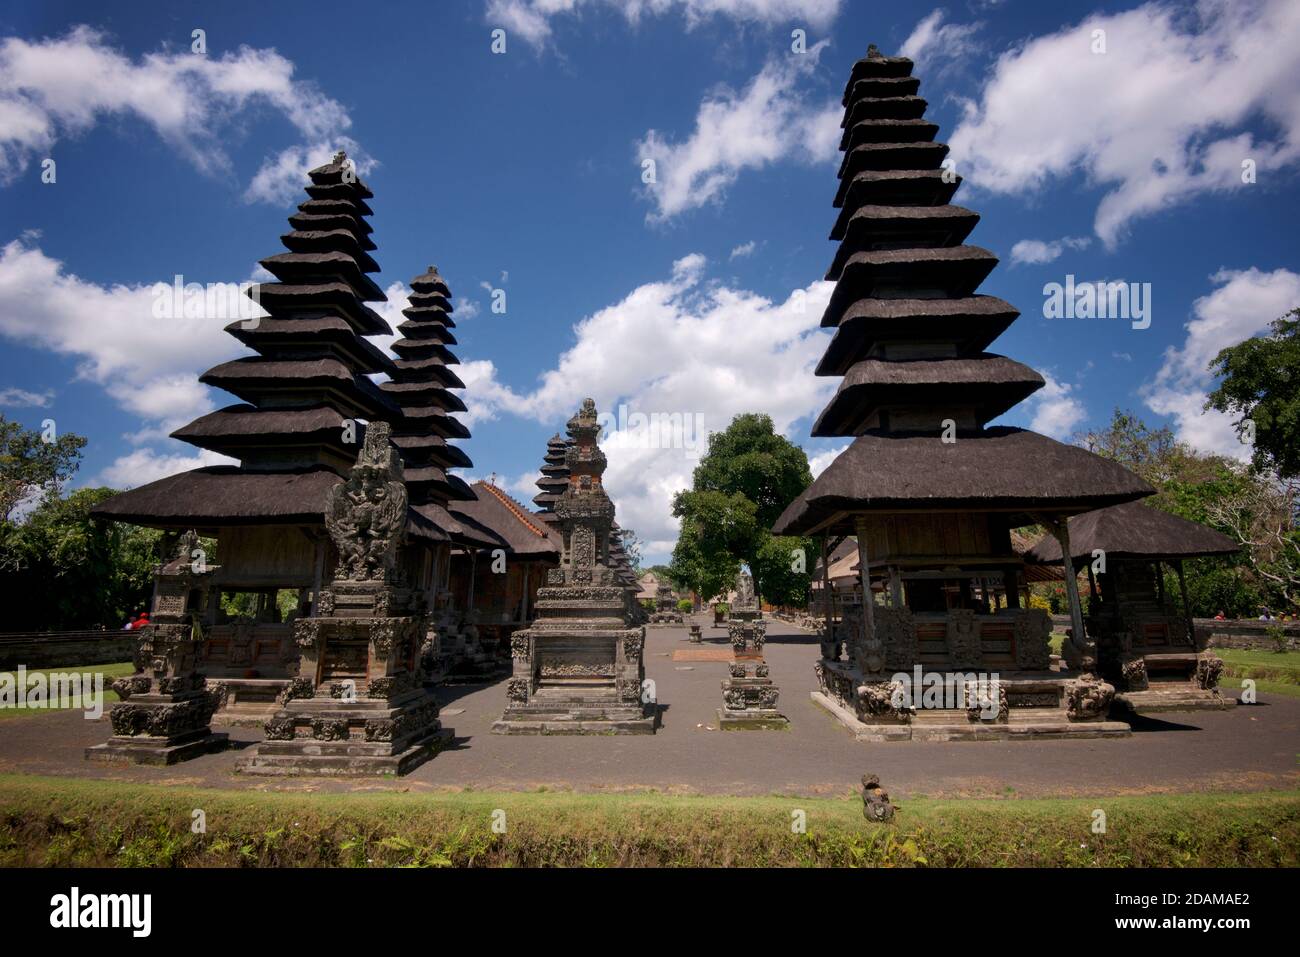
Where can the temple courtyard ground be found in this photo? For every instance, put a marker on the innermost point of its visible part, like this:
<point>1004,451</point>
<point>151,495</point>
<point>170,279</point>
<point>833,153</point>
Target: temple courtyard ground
<point>1248,748</point>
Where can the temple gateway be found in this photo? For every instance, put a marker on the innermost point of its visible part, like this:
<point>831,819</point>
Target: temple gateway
<point>928,488</point>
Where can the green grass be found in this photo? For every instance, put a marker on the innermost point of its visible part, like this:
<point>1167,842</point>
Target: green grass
<point>83,823</point>
<point>1273,672</point>
<point>110,672</point>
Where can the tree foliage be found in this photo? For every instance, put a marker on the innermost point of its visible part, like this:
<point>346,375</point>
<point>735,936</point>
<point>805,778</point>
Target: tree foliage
<point>1260,384</point>
<point>740,487</point>
<point>33,462</point>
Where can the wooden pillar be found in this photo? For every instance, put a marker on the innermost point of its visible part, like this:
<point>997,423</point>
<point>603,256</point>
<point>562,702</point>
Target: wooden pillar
<point>1061,529</point>
<point>864,572</point>
<point>1092,589</point>
<point>524,610</point>
<point>826,592</point>
<point>473,567</point>
<point>318,576</point>
<point>895,587</point>
<point>1187,605</point>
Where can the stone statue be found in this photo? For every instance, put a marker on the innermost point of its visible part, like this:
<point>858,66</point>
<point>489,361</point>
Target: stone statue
<point>367,513</point>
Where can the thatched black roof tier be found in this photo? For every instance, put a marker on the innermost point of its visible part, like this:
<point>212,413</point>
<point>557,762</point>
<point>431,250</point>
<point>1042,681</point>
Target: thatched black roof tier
<point>434,368</point>
<point>424,349</point>
<point>237,429</point>
<point>339,171</point>
<point>874,66</point>
<point>432,448</point>
<point>316,223</point>
<point>434,331</point>
<point>888,131</point>
<point>338,298</point>
<point>311,337</point>
<point>1134,530</point>
<point>884,108</point>
<point>868,324</point>
<point>430,281</point>
<point>880,86</point>
<point>985,384</point>
<point>949,272</point>
<point>995,470</point>
<point>898,227</point>
<point>875,157</point>
<point>894,187</point>
<point>223,495</point>
<point>555,475</point>
<point>456,529</point>
<point>258,379</point>
<point>329,265</point>
<point>326,240</point>
<point>426,391</point>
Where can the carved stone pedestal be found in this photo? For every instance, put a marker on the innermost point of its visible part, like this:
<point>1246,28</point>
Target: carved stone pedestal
<point>749,699</point>
<point>165,713</point>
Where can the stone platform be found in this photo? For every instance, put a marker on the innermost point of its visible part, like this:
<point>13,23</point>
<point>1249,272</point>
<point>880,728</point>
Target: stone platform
<point>140,750</point>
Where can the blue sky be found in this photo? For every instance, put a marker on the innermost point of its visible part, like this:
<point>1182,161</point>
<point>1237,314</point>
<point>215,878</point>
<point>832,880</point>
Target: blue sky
<point>698,294</point>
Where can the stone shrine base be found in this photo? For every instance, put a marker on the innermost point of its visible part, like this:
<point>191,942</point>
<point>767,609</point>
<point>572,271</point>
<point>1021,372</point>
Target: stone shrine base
<point>142,749</point>
<point>342,758</point>
<point>566,711</point>
<point>752,719</point>
<point>1179,696</point>
<point>952,724</point>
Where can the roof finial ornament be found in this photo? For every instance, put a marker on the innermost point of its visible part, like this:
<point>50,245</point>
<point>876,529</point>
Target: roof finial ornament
<point>873,52</point>
<point>340,158</point>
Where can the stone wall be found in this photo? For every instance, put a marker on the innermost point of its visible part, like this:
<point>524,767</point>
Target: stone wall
<point>1247,633</point>
<point>65,649</point>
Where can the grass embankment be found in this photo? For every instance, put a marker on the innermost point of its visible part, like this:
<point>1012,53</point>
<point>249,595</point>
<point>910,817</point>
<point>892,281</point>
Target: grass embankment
<point>1273,672</point>
<point>61,822</point>
<point>110,673</point>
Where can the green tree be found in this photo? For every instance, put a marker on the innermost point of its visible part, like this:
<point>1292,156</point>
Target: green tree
<point>32,461</point>
<point>749,475</point>
<point>61,569</point>
<point>1260,384</point>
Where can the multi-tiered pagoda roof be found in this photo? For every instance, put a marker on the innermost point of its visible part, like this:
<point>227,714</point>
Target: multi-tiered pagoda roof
<point>306,392</point>
<point>918,387</point>
<point>555,475</point>
<point>420,385</point>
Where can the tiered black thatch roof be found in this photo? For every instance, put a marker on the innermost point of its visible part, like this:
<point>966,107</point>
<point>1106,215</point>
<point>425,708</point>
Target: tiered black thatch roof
<point>1134,530</point>
<point>555,476</point>
<point>306,392</point>
<point>910,335</point>
<point>420,386</point>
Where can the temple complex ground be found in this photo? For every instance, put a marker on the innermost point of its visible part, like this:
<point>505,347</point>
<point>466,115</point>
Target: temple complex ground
<point>1243,749</point>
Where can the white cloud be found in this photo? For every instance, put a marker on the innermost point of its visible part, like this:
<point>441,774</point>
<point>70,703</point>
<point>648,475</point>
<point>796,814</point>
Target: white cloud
<point>58,87</point>
<point>1037,251</point>
<point>683,345</point>
<point>1155,120</point>
<point>817,463</point>
<point>1057,411</point>
<point>744,249</point>
<point>933,40</point>
<point>1244,304</point>
<point>767,122</point>
<point>531,19</point>
<point>142,466</point>
<point>22,398</point>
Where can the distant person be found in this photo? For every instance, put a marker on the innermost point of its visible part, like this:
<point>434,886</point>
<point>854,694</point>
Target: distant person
<point>130,620</point>
<point>140,622</point>
<point>1265,614</point>
<point>1220,617</point>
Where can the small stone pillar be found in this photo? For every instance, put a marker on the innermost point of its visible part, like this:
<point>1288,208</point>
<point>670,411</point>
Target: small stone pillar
<point>166,711</point>
<point>749,695</point>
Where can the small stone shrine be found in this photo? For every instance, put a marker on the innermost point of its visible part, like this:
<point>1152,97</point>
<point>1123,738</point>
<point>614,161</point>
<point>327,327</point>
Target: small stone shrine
<point>358,704</point>
<point>578,669</point>
<point>165,713</point>
<point>749,695</point>
<point>666,612</point>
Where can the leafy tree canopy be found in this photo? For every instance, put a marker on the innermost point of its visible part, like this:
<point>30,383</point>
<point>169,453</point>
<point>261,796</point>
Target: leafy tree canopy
<point>1260,384</point>
<point>33,461</point>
